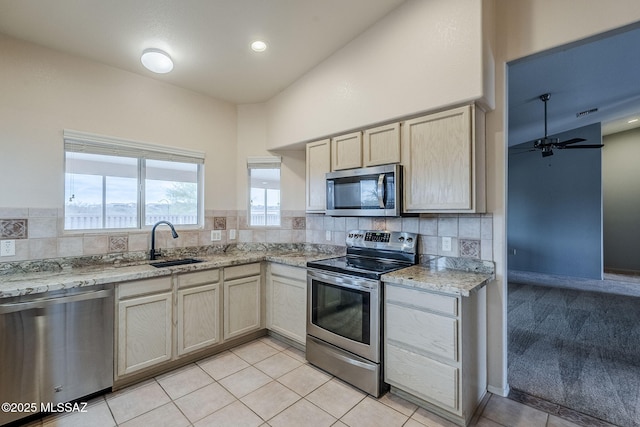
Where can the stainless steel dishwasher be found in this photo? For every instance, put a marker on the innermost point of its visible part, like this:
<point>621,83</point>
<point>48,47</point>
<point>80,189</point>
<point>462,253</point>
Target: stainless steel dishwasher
<point>55,347</point>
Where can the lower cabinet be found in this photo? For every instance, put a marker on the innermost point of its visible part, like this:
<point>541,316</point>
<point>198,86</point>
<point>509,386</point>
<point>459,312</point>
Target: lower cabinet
<point>163,319</point>
<point>287,301</point>
<point>435,349</point>
<point>242,300</point>
<point>198,311</point>
<point>144,324</point>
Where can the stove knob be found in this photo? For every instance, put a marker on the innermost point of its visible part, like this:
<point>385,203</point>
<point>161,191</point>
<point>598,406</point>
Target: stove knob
<point>401,238</point>
<point>351,235</point>
<point>409,239</point>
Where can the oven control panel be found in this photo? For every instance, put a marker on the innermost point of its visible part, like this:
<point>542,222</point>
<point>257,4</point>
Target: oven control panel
<point>382,239</point>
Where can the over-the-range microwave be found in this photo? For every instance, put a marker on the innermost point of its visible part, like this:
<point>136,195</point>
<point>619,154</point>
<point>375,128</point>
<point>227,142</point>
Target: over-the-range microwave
<point>372,191</point>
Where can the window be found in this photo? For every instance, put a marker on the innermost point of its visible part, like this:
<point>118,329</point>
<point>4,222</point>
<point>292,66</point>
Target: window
<point>264,191</point>
<point>116,184</point>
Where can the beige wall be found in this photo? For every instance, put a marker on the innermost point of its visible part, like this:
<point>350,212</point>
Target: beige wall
<point>422,56</point>
<point>44,92</point>
<point>252,134</point>
<point>531,26</point>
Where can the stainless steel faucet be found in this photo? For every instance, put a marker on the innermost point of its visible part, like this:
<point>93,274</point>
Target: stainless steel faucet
<point>152,252</point>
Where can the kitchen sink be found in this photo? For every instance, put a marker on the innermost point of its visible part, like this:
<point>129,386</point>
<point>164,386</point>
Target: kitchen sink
<point>175,262</point>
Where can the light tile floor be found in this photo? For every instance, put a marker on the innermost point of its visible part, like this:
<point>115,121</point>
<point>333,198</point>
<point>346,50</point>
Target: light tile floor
<point>268,383</point>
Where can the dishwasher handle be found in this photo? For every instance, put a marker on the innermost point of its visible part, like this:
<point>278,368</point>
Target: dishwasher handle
<point>12,307</point>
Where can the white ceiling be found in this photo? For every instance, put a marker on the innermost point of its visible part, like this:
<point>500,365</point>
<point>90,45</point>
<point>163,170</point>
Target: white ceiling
<point>207,39</point>
<point>602,72</point>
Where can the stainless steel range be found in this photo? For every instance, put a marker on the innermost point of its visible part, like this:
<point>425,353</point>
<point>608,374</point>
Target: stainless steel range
<point>345,296</point>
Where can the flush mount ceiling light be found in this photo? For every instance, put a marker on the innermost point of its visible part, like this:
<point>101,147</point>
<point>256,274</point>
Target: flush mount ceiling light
<point>259,46</point>
<point>156,61</point>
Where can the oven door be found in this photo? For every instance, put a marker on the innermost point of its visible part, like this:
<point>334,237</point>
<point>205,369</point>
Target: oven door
<point>345,311</point>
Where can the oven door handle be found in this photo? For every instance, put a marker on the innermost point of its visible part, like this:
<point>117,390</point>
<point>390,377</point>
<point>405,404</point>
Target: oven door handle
<point>346,282</point>
<point>381,190</point>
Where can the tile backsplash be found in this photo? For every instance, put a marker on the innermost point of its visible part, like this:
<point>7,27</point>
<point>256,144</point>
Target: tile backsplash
<point>39,233</point>
<point>471,234</point>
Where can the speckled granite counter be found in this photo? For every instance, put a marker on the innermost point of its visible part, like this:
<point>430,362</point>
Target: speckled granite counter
<point>444,275</point>
<point>33,282</point>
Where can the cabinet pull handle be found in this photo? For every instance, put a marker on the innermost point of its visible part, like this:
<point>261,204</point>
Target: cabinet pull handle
<point>381,190</point>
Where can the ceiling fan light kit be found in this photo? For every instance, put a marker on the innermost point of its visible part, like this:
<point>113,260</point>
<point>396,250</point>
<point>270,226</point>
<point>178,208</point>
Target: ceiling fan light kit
<point>546,144</point>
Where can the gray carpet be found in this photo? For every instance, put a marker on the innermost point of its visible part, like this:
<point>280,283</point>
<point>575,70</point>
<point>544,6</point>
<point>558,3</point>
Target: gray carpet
<point>579,349</point>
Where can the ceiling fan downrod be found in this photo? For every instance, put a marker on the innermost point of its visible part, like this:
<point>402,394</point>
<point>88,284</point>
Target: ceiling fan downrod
<point>544,98</point>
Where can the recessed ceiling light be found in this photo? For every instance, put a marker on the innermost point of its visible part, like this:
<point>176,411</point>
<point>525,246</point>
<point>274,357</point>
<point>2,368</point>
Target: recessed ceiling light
<point>258,46</point>
<point>632,120</point>
<point>156,61</point>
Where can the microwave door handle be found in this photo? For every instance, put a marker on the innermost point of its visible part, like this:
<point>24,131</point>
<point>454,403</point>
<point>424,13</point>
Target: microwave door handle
<point>381,190</point>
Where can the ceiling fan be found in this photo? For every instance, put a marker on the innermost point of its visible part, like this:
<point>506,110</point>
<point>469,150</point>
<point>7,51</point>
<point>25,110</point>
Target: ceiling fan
<point>547,144</point>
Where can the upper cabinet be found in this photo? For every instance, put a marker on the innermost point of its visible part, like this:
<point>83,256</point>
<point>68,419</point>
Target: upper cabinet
<point>318,163</point>
<point>372,147</point>
<point>444,162</point>
<point>381,145</point>
<point>346,151</point>
<point>443,155</point>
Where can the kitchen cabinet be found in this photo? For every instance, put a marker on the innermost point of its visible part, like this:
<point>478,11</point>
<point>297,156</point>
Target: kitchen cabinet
<point>435,349</point>
<point>318,163</point>
<point>242,300</point>
<point>286,288</point>
<point>346,151</point>
<point>444,162</point>
<point>164,319</point>
<point>144,332</point>
<point>198,311</point>
<point>381,145</point>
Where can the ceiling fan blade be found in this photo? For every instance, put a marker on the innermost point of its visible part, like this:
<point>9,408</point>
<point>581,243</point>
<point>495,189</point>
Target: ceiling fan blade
<point>517,151</point>
<point>583,146</point>
<point>570,141</point>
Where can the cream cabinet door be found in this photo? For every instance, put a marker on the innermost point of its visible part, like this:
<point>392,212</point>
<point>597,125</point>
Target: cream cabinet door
<point>287,302</point>
<point>144,332</point>
<point>436,334</point>
<point>242,308</point>
<point>346,151</point>
<point>198,317</point>
<point>318,163</point>
<point>381,145</point>
<point>443,165</point>
<point>423,377</point>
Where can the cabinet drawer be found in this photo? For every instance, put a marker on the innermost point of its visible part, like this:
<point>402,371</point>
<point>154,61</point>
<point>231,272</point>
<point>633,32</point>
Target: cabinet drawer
<point>242,271</point>
<point>198,278</point>
<point>146,286</point>
<point>296,273</point>
<point>422,330</point>
<point>422,299</point>
<point>424,378</point>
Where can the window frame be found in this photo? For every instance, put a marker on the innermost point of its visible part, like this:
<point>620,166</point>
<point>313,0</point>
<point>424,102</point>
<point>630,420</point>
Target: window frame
<point>82,142</point>
<point>265,162</point>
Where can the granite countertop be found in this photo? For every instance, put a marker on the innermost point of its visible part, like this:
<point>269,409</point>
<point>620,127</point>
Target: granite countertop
<point>454,276</point>
<point>438,276</point>
<point>25,283</point>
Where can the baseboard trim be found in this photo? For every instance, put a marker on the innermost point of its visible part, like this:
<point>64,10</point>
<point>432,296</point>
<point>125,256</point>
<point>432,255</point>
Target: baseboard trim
<point>504,392</point>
